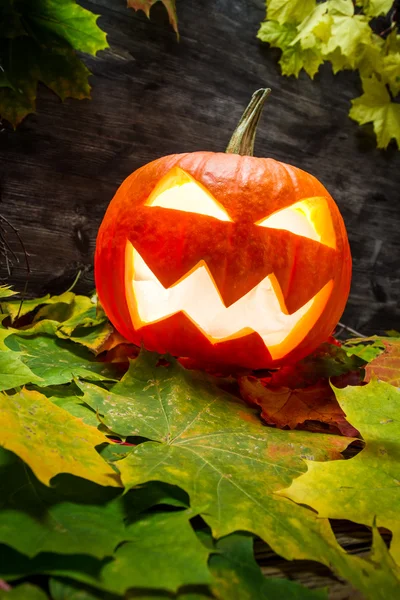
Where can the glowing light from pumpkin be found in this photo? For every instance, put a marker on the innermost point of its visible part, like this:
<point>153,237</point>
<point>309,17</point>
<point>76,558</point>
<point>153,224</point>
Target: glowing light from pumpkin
<point>262,309</point>
<point>179,191</point>
<point>292,219</point>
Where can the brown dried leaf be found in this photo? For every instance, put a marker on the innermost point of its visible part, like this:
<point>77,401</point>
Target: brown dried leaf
<point>285,407</point>
<point>145,6</point>
<point>386,366</point>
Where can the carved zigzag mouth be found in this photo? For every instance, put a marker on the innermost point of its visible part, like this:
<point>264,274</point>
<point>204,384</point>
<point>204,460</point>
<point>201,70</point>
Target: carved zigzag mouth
<point>197,296</point>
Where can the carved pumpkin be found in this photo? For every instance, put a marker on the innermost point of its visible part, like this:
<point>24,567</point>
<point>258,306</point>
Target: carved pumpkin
<point>224,257</point>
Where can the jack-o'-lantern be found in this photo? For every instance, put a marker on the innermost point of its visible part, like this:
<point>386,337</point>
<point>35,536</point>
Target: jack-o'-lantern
<point>223,257</point>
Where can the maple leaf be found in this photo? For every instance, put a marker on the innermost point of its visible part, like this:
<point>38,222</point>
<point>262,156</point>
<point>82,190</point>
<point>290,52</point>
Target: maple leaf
<point>56,361</point>
<point>340,7</point>
<point>302,392</point>
<point>6,291</point>
<point>155,544</point>
<point>338,61</point>
<point>309,33</point>
<point>391,71</point>
<point>285,11</point>
<point>207,443</point>
<point>74,317</point>
<point>39,44</point>
<point>24,591</point>
<point>366,348</point>
<point>49,439</point>
<point>14,308</point>
<point>35,518</point>
<point>386,366</point>
<point>347,34</point>
<point>294,57</point>
<point>388,571</point>
<point>376,106</point>
<point>68,398</point>
<point>312,25</point>
<point>277,35</point>
<point>370,58</point>
<point>237,575</point>
<point>374,8</point>
<point>365,488</point>
<point>285,407</point>
<point>13,371</point>
<point>62,589</point>
<point>145,6</point>
<point>328,360</point>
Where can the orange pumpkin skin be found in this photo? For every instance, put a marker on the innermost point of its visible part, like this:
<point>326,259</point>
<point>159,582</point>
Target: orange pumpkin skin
<point>238,254</point>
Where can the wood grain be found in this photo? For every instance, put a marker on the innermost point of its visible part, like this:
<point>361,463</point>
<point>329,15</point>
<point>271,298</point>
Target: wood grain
<point>153,96</point>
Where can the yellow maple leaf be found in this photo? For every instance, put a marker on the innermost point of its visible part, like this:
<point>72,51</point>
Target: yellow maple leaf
<point>50,440</point>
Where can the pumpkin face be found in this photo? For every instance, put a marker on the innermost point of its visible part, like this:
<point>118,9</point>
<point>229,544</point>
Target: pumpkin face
<point>224,258</point>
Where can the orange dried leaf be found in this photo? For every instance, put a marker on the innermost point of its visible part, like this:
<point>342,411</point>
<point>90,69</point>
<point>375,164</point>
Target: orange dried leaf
<point>145,6</point>
<point>386,366</point>
<point>285,407</point>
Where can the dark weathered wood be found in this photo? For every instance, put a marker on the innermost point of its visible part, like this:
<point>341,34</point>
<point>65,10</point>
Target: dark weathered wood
<point>153,96</point>
<point>355,539</point>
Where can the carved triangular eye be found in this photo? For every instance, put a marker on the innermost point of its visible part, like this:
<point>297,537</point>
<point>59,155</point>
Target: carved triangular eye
<point>180,191</point>
<point>291,219</point>
<point>309,218</point>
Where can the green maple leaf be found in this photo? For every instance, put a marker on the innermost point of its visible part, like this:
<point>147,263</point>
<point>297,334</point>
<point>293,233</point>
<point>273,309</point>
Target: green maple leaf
<point>80,320</point>
<point>70,316</point>
<point>286,11</point>
<point>145,6</point>
<point>391,71</point>
<point>13,371</point>
<point>347,34</point>
<point>237,575</point>
<point>155,536</point>
<point>376,106</point>
<point>57,361</point>
<point>392,42</point>
<point>312,25</point>
<point>277,35</point>
<point>365,348</point>
<point>68,398</point>
<point>338,61</point>
<point>24,591</point>
<point>6,291</point>
<point>388,572</point>
<point>35,518</point>
<point>62,589</point>
<point>375,8</point>
<point>162,543</point>
<point>217,450</point>
<point>364,488</point>
<point>340,7</point>
<point>14,308</point>
<point>294,56</point>
<point>370,57</point>
<point>39,44</point>
<point>50,440</point>
<point>66,589</point>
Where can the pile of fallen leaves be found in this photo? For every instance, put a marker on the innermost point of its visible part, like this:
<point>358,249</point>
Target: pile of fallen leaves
<point>130,475</point>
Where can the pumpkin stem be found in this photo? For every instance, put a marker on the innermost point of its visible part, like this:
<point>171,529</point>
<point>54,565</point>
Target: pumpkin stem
<point>242,140</point>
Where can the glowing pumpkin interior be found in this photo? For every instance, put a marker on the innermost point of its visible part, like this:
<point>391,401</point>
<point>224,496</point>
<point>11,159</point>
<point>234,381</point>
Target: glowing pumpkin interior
<point>262,309</point>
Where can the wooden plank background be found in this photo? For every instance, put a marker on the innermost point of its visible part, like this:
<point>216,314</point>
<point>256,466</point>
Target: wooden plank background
<point>153,96</point>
